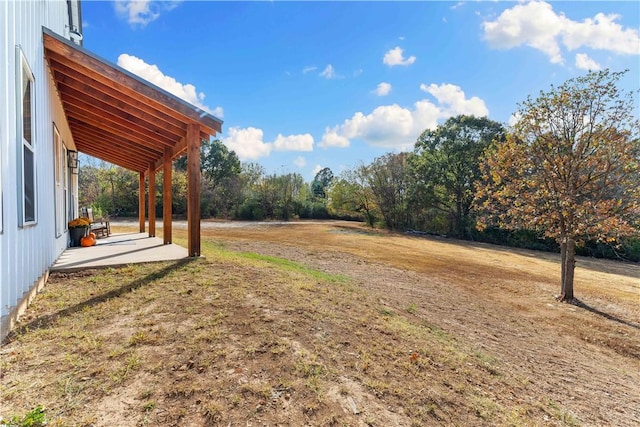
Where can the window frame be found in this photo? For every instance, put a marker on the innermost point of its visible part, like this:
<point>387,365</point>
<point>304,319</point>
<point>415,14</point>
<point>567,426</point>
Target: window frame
<point>59,181</point>
<point>24,71</point>
<point>1,182</point>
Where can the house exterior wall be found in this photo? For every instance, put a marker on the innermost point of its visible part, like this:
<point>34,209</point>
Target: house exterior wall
<point>27,251</point>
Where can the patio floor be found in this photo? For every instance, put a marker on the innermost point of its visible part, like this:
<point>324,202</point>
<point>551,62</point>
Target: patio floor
<point>119,249</point>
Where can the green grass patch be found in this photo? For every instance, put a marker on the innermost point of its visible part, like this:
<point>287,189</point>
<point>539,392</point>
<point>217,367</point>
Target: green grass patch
<point>216,249</point>
<point>566,417</point>
<point>34,418</point>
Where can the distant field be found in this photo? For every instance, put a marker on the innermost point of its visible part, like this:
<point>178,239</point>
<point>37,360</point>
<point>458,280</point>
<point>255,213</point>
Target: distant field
<point>330,324</point>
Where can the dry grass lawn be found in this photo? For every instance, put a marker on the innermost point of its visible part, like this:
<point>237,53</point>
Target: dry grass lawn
<point>330,324</point>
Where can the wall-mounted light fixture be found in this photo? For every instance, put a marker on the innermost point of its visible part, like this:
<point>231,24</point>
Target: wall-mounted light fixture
<point>72,161</point>
<point>74,33</point>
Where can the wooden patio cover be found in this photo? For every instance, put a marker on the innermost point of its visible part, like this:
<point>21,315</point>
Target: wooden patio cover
<point>125,120</point>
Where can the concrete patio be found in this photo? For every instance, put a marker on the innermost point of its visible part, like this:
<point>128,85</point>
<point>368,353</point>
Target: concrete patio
<point>117,250</point>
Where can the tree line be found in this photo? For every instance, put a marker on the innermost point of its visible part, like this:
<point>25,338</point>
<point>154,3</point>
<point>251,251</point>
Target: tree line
<point>565,177</point>
<point>229,189</point>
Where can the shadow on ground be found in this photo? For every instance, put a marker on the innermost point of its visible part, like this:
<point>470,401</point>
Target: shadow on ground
<point>50,319</point>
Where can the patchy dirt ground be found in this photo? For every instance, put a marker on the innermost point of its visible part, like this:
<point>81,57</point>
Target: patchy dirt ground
<point>331,323</point>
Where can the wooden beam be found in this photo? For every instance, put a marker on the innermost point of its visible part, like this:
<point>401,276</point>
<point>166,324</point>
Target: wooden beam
<point>179,150</point>
<point>131,164</point>
<point>128,83</point>
<point>141,204</point>
<point>152,201</point>
<point>193,189</point>
<point>89,97</point>
<point>90,108</point>
<point>121,130</point>
<point>120,154</point>
<point>166,197</point>
<point>118,117</point>
<point>102,139</point>
<point>180,145</point>
<point>121,101</point>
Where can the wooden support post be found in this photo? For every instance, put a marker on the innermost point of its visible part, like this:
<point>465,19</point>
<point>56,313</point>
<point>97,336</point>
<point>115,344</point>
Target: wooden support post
<point>193,189</point>
<point>141,202</point>
<point>167,212</point>
<point>152,200</point>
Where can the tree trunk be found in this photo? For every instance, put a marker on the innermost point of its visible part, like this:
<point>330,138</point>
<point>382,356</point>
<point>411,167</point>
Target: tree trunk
<point>563,258</point>
<point>459,220</point>
<point>568,268</point>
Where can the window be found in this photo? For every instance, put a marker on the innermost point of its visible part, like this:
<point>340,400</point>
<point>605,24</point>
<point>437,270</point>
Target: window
<point>26,128</point>
<point>65,188</point>
<point>1,188</point>
<point>60,181</point>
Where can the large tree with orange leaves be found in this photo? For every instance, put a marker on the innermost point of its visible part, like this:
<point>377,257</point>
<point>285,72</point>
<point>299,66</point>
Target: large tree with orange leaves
<point>569,169</point>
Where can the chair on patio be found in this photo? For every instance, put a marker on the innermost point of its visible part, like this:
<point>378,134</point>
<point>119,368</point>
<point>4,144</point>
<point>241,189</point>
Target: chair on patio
<point>99,226</point>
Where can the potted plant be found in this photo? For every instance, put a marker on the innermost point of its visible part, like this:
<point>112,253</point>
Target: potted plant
<point>78,228</point>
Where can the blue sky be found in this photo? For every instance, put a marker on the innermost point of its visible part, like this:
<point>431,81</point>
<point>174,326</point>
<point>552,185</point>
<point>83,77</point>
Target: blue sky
<point>306,85</point>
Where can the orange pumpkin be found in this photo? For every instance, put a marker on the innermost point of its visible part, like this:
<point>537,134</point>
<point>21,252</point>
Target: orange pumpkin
<point>92,235</point>
<point>87,241</point>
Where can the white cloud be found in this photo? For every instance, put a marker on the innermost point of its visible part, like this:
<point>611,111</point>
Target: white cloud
<point>584,62</point>
<point>308,69</point>
<point>142,12</point>
<point>357,72</point>
<point>395,57</point>
<point>300,162</point>
<point>153,74</point>
<point>425,116</point>
<point>328,72</point>
<point>396,127</point>
<point>316,169</point>
<point>293,143</point>
<point>218,112</point>
<point>454,100</point>
<point>136,12</point>
<point>332,139</point>
<point>383,89</point>
<point>247,143</point>
<point>535,24</point>
<point>387,125</point>
<point>603,33</point>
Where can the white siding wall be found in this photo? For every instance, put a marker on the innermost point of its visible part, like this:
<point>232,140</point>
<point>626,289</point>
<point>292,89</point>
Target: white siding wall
<point>27,253</point>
